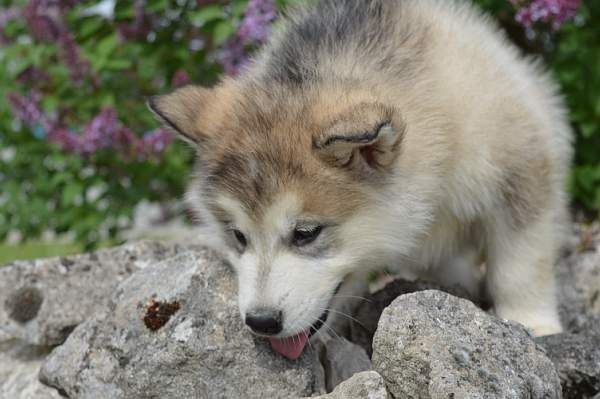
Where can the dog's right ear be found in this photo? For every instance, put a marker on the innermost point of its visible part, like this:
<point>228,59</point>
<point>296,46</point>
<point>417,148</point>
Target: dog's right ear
<point>182,111</point>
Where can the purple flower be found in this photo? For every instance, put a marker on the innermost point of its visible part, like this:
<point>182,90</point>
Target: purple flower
<point>28,110</point>
<point>156,141</point>
<point>141,25</point>
<point>180,78</point>
<point>254,30</point>
<point>554,12</point>
<point>232,56</point>
<point>69,53</point>
<point>41,25</point>
<point>257,21</point>
<point>100,131</point>
<point>33,76</point>
<point>67,140</point>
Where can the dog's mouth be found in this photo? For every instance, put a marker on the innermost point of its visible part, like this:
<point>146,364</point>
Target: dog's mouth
<point>292,347</point>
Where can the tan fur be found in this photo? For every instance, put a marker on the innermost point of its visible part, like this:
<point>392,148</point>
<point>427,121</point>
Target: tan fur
<point>476,156</point>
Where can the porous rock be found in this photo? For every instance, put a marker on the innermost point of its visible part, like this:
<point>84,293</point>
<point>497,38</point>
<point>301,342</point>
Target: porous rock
<point>364,385</point>
<point>577,360</point>
<point>42,301</point>
<point>579,277</point>
<point>364,321</point>
<point>433,345</point>
<point>19,367</point>
<point>339,359</point>
<point>202,349</point>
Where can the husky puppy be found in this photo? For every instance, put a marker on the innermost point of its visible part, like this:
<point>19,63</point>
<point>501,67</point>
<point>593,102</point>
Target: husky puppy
<point>373,133</point>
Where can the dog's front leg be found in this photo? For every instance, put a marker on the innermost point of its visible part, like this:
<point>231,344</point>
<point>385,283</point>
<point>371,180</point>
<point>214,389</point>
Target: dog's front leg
<point>520,277</point>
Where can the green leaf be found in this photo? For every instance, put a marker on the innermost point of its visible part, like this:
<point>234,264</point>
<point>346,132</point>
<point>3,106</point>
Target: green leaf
<point>207,14</point>
<point>70,193</point>
<point>223,31</point>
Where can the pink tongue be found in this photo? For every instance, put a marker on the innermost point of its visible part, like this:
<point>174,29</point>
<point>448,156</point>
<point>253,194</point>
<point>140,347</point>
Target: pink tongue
<point>290,347</point>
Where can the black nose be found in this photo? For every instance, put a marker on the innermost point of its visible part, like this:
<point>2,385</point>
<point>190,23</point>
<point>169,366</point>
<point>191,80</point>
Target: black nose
<point>265,321</point>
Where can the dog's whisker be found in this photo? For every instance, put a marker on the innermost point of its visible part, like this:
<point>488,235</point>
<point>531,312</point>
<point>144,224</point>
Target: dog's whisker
<point>344,314</point>
<point>352,297</point>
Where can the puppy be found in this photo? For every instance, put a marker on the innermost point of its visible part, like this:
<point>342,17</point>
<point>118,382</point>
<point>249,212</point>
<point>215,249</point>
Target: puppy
<point>372,133</point>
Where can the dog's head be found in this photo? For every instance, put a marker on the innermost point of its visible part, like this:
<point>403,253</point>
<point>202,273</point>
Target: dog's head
<point>300,187</point>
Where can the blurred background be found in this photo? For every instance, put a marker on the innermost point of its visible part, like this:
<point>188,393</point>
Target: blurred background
<point>83,164</point>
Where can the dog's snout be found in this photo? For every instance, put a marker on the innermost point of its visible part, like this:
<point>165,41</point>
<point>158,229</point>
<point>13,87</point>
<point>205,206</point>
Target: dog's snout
<point>265,321</point>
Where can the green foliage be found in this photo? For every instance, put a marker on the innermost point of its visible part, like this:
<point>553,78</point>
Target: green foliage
<point>576,64</point>
<point>44,187</point>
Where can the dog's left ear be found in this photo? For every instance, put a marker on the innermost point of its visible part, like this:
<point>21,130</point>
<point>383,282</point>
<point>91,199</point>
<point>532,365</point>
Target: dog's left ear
<point>365,137</point>
<point>182,111</point>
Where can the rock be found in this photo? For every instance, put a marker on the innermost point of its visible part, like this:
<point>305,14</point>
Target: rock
<point>340,359</point>
<point>19,367</point>
<point>577,360</point>
<point>365,385</point>
<point>433,345</point>
<point>579,277</point>
<point>365,319</point>
<point>194,346</point>
<point>42,301</point>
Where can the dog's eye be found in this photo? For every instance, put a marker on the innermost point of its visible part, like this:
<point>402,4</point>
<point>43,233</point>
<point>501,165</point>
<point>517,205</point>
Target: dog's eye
<point>240,237</point>
<point>305,235</point>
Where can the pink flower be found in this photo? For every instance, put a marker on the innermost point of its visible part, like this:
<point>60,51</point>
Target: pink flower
<point>254,30</point>
<point>28,110</point>
<point>554,12</point>
<point>180,78</point>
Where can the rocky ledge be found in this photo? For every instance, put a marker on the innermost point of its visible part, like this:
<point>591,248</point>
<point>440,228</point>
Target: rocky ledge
<point>161,320</point>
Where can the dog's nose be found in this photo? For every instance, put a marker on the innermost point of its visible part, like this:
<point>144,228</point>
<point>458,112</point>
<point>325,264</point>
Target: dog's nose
<point>265,321</point>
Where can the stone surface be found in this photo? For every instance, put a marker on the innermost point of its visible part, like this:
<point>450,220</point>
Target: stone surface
<point>365,319</point>
<point>365,385</point>
<point>42,301</point>
<point>340,359</point>
<point>579,277</point>
<point>200,350</point>
<point>19,367</point>
<point>577,360</point>
<point>433,345</point>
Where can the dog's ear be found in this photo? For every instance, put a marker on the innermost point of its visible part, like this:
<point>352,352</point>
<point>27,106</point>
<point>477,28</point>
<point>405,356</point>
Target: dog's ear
<point>365,137</point>
<point>183,110</point>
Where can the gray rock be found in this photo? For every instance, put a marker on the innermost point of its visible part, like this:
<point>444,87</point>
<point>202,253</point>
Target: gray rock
<point>365,319</point>
<point>42,301</point>
<point>19,367</point>
<point>340,359</point>
<point>173,330</point>
<point>577,360</point>
<point>433,345</point>
<point>579,277</point>
<point>365,385</point>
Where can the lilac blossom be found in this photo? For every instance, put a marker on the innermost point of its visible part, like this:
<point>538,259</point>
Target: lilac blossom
<point>69,52</point>
<point>42,26</point>
<point>28,110</point>
<point>100,131</point>
<point>554,12</point>
<point>104,132</point>
<point>232,56</point>
<point>45,19</point>
<point>254,30</point>
<point>180,78</point>
<point>156,141</point>
<point>259,16</point>
<point>139,27</point>
<point>33,76</point>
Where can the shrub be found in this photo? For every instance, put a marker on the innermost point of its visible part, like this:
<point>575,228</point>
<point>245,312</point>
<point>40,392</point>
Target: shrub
<point>79,149</point>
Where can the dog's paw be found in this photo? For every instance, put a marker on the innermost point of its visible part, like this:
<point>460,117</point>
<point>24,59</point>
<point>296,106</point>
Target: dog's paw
<point>546,329</point>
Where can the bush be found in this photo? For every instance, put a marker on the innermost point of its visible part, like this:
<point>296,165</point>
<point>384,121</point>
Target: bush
<point>79,148</point>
